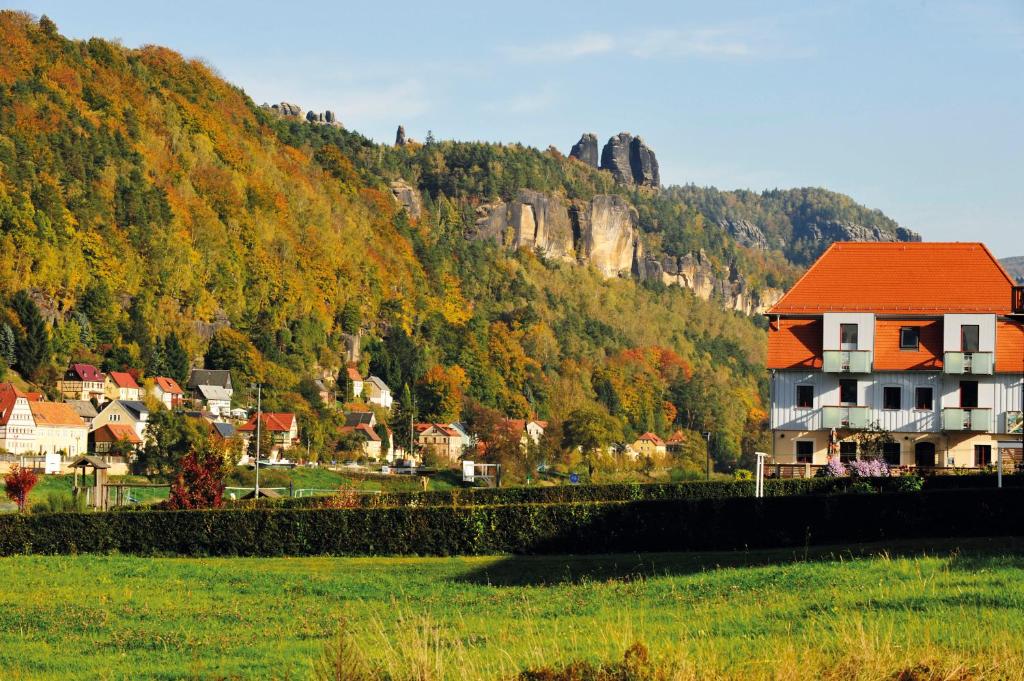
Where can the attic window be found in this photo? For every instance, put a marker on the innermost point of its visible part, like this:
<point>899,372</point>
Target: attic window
<point>910,338</point>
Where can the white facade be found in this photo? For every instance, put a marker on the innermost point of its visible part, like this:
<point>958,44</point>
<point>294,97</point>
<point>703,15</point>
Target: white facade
<point>116,412</point>
<point>18,432</point>
<point>952,328</point>
<point>833,322</point>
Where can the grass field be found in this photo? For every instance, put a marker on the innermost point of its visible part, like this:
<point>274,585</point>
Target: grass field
<point>947,610</point>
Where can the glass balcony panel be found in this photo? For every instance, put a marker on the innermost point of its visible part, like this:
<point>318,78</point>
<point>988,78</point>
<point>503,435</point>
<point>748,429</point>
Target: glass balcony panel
<point>980,420</point>
<point>953,363</point>
<point>831,417</point>
<point>981,363</point>
<point>832,361</point>
<point>953,419</point>
<point>859,417</point>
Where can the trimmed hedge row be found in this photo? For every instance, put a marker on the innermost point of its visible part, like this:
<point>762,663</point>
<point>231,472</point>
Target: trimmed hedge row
<point>567,494</point>
<point>659,525</point>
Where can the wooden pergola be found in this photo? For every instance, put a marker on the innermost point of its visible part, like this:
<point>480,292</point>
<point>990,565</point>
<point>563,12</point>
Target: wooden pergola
<point>100,470</point>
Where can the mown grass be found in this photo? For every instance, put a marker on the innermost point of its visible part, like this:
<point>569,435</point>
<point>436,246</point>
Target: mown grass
<point>955,609</point>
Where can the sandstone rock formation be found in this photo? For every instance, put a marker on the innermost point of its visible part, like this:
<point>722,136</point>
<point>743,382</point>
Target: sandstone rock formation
<point>629,160</point>
<point>409,197</point>
<point>829,231</point>
<point>745,233</point>
<point>708,281</point>
<point>533,220</point>
<point>643,164</point>
<point>586,149</point>
<point>287,109</point>
<point>400,136</point>
<point>608,235</point>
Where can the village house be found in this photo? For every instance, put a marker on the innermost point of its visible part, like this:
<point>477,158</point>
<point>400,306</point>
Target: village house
<point>83,382</point>
<point>17,426</point>
<point>355,381</point>
<point>442,440</point>
<point>675,443</point>
<point>102,439</point>
<point>370,440</point>
<point>921,340</point>
<point>377,392</point>
<point>218,377</point>
<point>124,412</point>
<point>216,399</point>
<point>529,431</point>
<point>282,427</point>
<point>85,410</point>
<point>167,391</point>
<point>324,393</point>
<point>649,445</point>
<point>120,385</point>
<point>59,429</point>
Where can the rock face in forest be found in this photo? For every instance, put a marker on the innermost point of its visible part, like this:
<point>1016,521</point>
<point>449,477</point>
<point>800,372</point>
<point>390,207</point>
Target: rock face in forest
<point>615,158</point>
<point>409,197</point>
<point>643,164</point>
<point>586,149</point>
<point>608,235</point>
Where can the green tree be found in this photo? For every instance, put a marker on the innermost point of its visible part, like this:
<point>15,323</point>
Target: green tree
<point>176,358</point>
<point>8,344</point>
<point>592,431</point>
<point>97,304</point>
<point>33,348</point>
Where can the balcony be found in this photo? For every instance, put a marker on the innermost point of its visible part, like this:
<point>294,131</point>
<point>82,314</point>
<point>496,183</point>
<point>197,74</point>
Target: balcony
<point>846,361</point>
<point>1018,299</point>
<point>967,419</point>
<point>845,417</point>
<point>977,363</point>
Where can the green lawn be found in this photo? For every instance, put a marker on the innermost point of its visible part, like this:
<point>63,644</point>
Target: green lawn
<point>956,610</point>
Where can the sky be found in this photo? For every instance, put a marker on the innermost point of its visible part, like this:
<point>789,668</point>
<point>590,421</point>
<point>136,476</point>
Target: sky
<point>915,108</point>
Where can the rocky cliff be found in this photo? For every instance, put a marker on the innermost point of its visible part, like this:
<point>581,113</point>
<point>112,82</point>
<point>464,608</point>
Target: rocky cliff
<point>626,157</point>
<point>586,149</point>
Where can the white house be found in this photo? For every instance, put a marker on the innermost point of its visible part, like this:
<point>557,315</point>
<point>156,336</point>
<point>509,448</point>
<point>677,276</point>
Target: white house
<point>216,399</point>
<point>356,380</point>
<point>378,392</point>
<point>17,425</point>
<point>120,385</point>
<point>167,391</point>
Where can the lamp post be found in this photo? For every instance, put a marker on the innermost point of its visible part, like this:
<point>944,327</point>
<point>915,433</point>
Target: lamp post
<point>259,405</point>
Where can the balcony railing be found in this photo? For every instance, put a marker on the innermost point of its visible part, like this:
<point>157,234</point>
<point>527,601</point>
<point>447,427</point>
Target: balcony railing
<point>1018,299</point>
<point>967,419</point>
<point>846,361</point>
<point>968,363</point>
<point>845,417</point>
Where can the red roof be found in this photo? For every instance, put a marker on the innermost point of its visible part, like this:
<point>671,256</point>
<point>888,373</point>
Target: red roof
<point>168,385</point>
<point>363,428</point>
<point>8,397</point>
<point>274,422</point>
<point>84,372</point>
<point>353,374</point>
<point>794,344</point>
<point>446,430</point>
<point>116,432</point>
<point>122,379</point>
<point>651,437</point>
<point>913,278</point>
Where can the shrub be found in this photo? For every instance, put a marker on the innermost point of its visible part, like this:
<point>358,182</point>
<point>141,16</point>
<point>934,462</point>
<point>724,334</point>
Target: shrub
<point>868,468</point>
<point>833,469</point>
<point>18,483</point>
<point>618,527</point>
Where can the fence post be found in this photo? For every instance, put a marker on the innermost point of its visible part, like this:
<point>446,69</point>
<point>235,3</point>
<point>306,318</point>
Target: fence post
<point>759,474</point>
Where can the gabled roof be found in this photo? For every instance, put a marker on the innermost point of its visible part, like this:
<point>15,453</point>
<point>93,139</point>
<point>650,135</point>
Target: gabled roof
<point>362,429</point>
<point>381,385</point>
<point>8,398</point>
<point>274,422</point>
<point>83,408</point>
<point>168,385</point>
<point>898,277</point>
<point>137,410</point>
<point>354,418</point>
<point>122,379</point>
<point>651,437</point>
<point>116,432</point>
<point>83,372</point>
<point>214,392</point>
<point>224,430</point>
<point>55,414</point>
<point>219,377</point>
<point>353,374</point>
<point>447,431</point>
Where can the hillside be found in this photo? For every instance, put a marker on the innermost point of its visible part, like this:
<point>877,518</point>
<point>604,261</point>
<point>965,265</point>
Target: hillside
<point>1015,266</point>
<point>151,213</point>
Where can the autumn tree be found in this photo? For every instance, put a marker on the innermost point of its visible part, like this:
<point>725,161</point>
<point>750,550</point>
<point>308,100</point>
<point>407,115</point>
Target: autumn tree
<point>18,483</point>
<point>592,431</point>
<point>440,393</point>
<point>199,482</point>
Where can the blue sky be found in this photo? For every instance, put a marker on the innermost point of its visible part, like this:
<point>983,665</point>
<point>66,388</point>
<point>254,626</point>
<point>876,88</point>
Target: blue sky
<point>915,108</point>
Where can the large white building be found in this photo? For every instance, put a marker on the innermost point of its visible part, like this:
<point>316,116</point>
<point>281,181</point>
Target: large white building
<point>924,340</point>
<point>17,427</point>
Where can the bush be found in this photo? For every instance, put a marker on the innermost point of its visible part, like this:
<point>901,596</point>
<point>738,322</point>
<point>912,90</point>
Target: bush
<point>661,525</point>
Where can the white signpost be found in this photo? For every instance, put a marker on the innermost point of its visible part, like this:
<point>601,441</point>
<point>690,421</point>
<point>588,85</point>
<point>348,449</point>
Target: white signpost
<point>759,474</point>
<point>468,471</point>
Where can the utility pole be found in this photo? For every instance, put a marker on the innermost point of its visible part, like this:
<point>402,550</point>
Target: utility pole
<point>259,396</point>
<point>707,436</point>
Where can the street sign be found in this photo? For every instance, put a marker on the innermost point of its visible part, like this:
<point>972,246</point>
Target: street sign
<point>574,478</point>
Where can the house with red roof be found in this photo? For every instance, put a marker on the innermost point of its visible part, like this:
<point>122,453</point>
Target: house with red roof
<point>650,445</point>
<point>121,385</point>
<point>17,425</point>
<point>83,382</point>
<point>282,427</point>
<point>923,340</point>
<point>103,438</point>
<point>167,391</point>
<point>444,441</point>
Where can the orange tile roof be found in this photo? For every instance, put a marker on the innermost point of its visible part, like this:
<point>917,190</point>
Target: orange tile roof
<point>115,432</point>
<point>1009,347</point>
<point>914,278</point>
<point>794,344</point>
<point>889,356</point>
<point>8,397</point>
<point>651,437</point>
<point>168,385</point>
<point>274,422</point>
<point>55,414</point>
<point>123,379</point>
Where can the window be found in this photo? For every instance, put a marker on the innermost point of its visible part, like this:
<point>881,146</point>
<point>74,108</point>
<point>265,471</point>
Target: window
<point>982,455</point>
<point>892,397</point>
<point>910,338</point>
<point>847,391</point>
<point>847,451</point>
<point>891,453</point>
<point>969,338</point>
<point>923,399</point>
<point>805,396</point>
<point>968,394</point>
<point>848,336</point>
<point>804,451</point>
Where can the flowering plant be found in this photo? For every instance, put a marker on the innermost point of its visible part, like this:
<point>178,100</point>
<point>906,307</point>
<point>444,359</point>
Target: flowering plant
<point>833,469</point>
<point>869,468</point>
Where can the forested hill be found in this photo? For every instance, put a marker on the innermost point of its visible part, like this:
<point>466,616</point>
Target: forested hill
<point>151,213</point>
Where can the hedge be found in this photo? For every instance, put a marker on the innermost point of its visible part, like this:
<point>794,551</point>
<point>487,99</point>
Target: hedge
<point>609,527</point>
<point>563,494</point>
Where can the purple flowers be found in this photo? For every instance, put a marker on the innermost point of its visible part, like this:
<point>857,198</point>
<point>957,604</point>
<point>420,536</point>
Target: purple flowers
<point>869,468</point>
<point>833,469</point>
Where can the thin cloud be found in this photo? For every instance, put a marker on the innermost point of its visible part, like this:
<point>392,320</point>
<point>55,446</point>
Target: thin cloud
<point>584,45</point>
<point>701,42</point>
<point>525,103</point>
<point>405,98</point>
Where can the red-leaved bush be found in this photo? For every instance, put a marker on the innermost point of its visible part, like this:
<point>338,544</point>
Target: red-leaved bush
<point>18,483</point>
<point>199,483</point>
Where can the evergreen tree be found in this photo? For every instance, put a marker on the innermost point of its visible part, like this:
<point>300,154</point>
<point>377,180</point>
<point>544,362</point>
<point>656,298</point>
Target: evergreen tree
<point>176,359</point>
<point>33,349</point>
<point>8,344</point>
